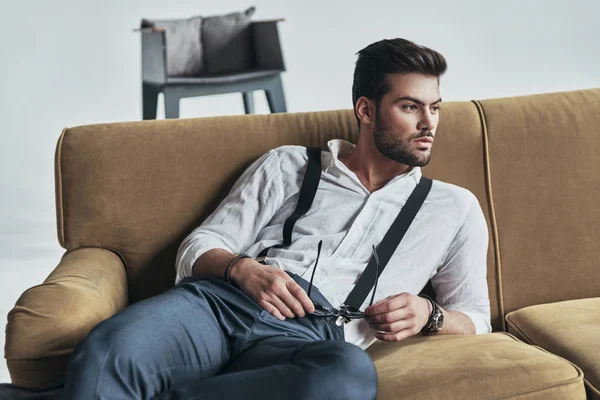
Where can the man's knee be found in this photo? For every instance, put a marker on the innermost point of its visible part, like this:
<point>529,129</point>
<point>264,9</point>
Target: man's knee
<point>102,344</point>
<point>348,372</point>
<point>354,366</point>
<point>105,361</point>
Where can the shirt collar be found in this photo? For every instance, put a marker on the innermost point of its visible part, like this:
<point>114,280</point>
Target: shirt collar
<point>340,147</point>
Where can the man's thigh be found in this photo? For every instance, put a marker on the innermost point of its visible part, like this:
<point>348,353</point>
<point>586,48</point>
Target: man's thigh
<point>188,332</point>
<point>196,320</point>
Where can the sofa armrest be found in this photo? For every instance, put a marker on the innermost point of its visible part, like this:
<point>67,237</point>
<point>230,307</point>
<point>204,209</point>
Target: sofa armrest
<point>267,47</point>
<point>49,320</point>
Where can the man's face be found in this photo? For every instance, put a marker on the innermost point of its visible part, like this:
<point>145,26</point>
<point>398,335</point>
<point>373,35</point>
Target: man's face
<point>406,119</point>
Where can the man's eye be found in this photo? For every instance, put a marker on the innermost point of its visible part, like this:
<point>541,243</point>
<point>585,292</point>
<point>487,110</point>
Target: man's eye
<point>435,108</point>
<point>410,107</point>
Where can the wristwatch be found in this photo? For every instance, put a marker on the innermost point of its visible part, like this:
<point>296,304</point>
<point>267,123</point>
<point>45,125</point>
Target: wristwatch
<point>436,319</point>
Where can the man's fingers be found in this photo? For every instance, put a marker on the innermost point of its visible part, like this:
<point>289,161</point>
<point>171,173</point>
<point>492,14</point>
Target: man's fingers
<point>292,303</point>
<point>273,310</point>
<point>388,304</point>
<point>282,307</point>
<point>388,317</point>
<point>393,327</point>
<point>282,292</point>
<point>303,299</point>
<point>395,337</point>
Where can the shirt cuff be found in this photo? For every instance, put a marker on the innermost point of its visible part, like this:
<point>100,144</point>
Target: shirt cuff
<point>482,325</point>
<point>189,255</point>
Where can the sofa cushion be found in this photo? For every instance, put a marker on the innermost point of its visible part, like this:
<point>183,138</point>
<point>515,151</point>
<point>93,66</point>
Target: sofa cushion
<point>568,329</point>
<point>489,366</point>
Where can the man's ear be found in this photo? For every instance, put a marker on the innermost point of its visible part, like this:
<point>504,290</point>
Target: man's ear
<point>363,110</point>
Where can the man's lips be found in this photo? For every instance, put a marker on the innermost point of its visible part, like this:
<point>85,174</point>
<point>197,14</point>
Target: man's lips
<point>425,140</point>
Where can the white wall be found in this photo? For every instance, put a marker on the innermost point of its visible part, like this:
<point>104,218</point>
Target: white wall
<point>73,62</point>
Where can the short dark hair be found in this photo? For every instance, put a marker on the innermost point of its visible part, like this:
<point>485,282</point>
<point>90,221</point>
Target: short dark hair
<point>391,56</point>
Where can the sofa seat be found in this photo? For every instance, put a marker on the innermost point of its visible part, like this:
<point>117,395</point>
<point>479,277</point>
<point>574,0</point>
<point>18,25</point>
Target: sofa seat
<point>493,366</point>
<point>569,329</point>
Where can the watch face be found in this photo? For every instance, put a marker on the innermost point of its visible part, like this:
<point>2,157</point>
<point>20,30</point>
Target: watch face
<point>438,321</point>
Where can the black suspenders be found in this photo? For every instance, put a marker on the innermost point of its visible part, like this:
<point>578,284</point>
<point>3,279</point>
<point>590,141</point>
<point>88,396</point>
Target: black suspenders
<point>389,243</point>
<point>385,249</point>
<point>312,177</point>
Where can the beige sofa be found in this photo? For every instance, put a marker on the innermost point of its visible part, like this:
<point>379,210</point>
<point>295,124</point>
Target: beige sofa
<point>128,193</point>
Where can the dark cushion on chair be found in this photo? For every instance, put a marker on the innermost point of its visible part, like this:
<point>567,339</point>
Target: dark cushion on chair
<point>184,45</point>
<point>227,43</point>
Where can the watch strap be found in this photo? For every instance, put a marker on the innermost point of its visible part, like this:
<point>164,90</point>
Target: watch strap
<point>435,310</point>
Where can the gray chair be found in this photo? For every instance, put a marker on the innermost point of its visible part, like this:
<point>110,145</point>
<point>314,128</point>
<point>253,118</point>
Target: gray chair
<point>266,74</point>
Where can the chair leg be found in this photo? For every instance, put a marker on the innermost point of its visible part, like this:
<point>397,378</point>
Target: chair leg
<point>149,101</point>
<point>276,97</point>
<point>248,102</point>
<point>171,105</point>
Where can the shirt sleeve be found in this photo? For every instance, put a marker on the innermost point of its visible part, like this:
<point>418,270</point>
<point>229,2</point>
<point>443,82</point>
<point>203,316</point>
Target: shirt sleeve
<point>234,225</point>
<point>460,282</point>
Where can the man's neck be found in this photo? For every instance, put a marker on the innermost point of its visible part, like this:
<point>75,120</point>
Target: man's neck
<point>372,169</point>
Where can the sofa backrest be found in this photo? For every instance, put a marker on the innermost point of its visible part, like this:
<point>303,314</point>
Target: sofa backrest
<point>139,188</point>
<point>544,152</point>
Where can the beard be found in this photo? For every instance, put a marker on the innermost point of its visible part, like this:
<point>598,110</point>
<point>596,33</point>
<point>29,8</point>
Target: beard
<point>393,147</point>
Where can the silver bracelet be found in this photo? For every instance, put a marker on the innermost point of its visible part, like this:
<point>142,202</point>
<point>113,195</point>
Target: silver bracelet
<point>228,269</point>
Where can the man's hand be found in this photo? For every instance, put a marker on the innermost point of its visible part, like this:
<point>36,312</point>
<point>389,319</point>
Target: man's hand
<point>398,317</point>
<point>272,288</point>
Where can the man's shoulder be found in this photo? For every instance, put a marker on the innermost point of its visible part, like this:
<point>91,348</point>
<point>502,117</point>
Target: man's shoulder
<point>451,194</point>
<point>291,155</point>
<point>289,150</point>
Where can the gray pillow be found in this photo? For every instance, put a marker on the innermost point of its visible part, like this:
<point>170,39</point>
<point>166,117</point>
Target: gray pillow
<point>227,43</point>
<point>184,44</point>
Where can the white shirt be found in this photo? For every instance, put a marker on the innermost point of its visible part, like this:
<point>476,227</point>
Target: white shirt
<point>447,241</point>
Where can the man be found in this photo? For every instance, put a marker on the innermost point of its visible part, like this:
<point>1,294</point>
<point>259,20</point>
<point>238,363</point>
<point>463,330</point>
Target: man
<point>240,327</point>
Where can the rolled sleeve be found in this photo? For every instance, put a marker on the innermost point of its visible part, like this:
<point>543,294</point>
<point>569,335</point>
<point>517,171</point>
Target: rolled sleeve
<point>191,249</point>
<point>233,226</point>
<point>481,322</point>
<point>461,281</point>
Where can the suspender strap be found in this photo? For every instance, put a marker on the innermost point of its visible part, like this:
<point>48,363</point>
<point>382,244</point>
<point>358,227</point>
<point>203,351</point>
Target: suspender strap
<point>390,242</point>
<point>312,176</point>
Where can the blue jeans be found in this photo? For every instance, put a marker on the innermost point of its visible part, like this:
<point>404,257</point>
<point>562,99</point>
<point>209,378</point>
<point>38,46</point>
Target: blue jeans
<point>206,339</point>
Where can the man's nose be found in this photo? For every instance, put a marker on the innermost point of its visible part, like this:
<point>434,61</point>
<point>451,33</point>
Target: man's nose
<point>428,121</point>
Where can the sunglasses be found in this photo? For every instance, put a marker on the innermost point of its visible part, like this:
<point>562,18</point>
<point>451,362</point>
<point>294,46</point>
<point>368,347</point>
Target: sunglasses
<point>346,312</point>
